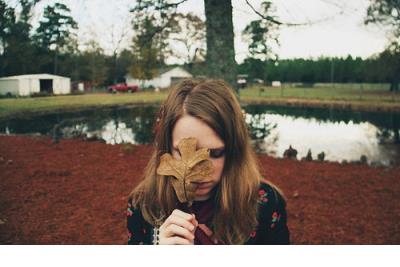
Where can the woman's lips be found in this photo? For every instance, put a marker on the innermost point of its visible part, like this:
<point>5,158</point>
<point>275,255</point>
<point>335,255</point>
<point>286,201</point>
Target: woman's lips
<point>203,185</point>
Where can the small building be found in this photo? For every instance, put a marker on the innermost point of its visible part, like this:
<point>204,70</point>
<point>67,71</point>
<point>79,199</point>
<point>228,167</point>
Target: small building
<point>25,85</point>
<point>166,78</point>
<point>241,80</point>
<point>276,84</point>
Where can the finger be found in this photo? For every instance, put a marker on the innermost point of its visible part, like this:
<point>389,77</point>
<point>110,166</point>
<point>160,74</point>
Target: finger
<point>179,221</point>
<point>176,240</point>
<point>182,214</point>
<point>173,230</point>
<point>194,221</point>
<point>195,224</point>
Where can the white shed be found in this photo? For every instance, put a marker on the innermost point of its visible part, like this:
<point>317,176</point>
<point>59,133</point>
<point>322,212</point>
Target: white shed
<point>25,85</point>
<point>165,79</point>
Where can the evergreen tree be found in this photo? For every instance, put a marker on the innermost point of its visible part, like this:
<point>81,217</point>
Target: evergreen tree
<point>55,32</point>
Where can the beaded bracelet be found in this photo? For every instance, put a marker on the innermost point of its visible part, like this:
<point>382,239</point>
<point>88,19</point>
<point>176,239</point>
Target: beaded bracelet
<point>156,236</point>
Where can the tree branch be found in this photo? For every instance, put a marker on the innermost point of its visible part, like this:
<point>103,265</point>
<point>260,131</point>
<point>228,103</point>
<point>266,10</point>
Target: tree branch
<point>142,6</point>
<point>174,4</point>
<point>271,19</point>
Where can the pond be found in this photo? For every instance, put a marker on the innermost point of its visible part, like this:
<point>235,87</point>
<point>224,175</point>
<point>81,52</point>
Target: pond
<point>341,135</point>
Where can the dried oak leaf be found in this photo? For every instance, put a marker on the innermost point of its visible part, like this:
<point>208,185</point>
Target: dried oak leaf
<point>194,166</point>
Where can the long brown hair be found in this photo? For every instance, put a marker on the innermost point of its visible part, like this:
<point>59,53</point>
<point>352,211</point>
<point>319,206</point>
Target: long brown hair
<point>213,102</point>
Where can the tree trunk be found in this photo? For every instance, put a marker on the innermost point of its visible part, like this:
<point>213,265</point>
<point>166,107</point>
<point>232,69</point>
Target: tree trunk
<point>55,62</point>
<point>220,56</point>
<point>394,86</point>
<point>114,73</point>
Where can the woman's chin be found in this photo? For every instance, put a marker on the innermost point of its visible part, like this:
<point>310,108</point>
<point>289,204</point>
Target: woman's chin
<point>201,198</point>
<point>202,194</point>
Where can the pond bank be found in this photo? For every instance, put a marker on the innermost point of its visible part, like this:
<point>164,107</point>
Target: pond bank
<point>33,113</point>
<point>71,192</point>
<point>327,104</point>
<point>27,107</point>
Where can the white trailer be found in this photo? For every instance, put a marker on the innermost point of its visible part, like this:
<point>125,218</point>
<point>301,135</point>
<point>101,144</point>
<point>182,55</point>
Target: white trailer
<point>25,85</point>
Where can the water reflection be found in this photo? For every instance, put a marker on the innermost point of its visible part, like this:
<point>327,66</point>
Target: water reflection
<point>341,135</point>
<point>259,128</point>
<point>117,133</point>
<point>338,140</point>
<point>114,126</point>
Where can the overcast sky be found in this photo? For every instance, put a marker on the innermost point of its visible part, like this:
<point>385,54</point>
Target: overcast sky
<point>336,28</point>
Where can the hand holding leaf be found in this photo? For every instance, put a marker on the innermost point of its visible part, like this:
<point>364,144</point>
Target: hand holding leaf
<point>194,166</point>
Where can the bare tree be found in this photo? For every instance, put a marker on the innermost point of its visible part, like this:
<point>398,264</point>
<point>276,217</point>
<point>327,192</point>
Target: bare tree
<point>191,33</point>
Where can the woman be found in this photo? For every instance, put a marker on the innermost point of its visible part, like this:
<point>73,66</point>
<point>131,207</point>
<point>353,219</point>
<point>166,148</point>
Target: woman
<point>234,207</point>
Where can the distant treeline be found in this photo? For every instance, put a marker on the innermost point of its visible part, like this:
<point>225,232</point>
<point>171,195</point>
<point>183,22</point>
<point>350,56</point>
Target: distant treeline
<point>53,47</point>
<point>100,69</point>
<point>337,70</point>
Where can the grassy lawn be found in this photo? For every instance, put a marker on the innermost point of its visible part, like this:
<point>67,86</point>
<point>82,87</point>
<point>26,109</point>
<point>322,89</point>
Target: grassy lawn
<point>341,96</point>
<point>343,93</point>
<point>367,98</point>
<point>9,107</point>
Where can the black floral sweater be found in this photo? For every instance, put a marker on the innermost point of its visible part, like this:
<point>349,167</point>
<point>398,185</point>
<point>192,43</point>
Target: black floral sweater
<point>271,230</point>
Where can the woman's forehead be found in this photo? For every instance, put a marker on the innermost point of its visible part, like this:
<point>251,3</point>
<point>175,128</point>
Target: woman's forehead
<point>189,126</point>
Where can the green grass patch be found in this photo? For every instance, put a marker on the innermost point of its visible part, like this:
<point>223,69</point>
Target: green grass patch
<point>9,107</point>
<point>340,92</point>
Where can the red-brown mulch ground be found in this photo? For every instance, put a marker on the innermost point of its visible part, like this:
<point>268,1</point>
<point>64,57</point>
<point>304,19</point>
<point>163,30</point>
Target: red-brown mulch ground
<point>75,192</point>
